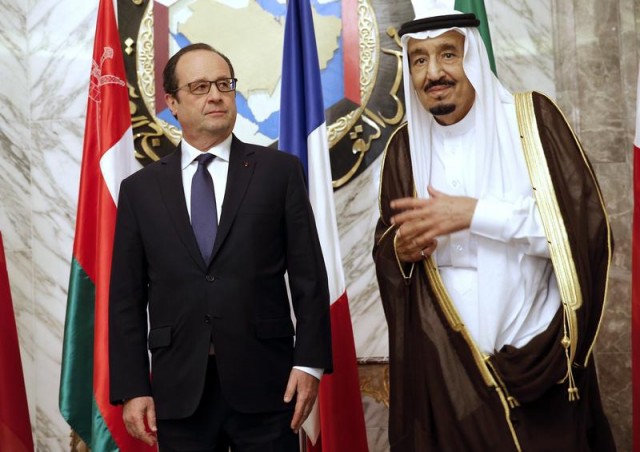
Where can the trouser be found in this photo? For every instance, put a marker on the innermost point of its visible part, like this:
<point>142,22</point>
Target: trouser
<point>216,427</point>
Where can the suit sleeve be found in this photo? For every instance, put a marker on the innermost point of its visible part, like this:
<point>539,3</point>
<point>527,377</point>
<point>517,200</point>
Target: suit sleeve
<point>307,278</point>
<point>128,356</point>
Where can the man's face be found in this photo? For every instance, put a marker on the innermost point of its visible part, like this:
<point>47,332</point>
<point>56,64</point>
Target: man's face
<point>206,119</point>
<point>438,76</point>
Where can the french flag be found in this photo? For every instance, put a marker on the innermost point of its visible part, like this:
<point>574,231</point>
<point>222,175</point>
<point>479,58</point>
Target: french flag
<point>337,422</point>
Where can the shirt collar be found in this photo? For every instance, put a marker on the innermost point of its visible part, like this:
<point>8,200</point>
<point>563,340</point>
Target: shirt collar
<point>221,151</point>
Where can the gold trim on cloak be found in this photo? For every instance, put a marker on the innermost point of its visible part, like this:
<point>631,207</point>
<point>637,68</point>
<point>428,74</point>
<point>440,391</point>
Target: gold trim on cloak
<point>489,375</point>
<point>556,232</point>
<point>608,225</point>
<point>554,228</point>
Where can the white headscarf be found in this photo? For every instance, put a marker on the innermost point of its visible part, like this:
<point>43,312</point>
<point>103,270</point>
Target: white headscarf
<point>495,141</point>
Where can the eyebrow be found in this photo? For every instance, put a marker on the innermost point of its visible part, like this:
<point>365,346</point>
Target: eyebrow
<point>447,46</point>
<point>441,48</point>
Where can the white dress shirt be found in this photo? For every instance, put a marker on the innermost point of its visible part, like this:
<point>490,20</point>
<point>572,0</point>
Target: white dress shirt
<point>218,168</point>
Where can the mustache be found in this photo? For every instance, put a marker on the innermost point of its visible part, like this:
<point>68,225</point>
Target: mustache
<point>441,82</point>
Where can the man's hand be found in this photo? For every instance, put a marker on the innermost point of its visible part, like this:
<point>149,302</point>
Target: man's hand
<point>306,387</point>
<point>137,413</point>
<point>420,221</point>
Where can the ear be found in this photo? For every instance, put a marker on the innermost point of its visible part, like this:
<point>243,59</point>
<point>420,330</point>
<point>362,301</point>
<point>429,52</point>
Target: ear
<point>171,103</point>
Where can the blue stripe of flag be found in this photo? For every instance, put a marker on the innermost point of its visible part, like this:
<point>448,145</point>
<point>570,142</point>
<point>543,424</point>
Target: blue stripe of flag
<point>301,105</point>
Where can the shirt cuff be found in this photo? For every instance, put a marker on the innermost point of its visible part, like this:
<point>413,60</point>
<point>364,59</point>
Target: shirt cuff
<point>313,371</point>
<point>490,218</point>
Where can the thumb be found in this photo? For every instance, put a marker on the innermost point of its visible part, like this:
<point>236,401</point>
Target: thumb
<point>433,192</point>
<point>291,389</point>
<point>151,418</point>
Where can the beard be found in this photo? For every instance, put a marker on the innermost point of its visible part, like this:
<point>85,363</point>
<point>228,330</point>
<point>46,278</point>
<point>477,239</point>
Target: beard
<point>443,109</point>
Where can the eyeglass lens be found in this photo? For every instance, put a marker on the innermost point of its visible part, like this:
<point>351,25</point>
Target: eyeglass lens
<point>204,86</point>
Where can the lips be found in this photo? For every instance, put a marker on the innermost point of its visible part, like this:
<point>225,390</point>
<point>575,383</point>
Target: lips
<point>437,89</point>
<point>439,85</point>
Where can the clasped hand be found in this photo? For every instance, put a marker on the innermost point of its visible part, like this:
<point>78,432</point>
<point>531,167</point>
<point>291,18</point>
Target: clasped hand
<point>420,221</point>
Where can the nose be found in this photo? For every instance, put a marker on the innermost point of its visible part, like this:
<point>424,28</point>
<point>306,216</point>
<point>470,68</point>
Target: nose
<point>434,69</point>
<point>214,94</point>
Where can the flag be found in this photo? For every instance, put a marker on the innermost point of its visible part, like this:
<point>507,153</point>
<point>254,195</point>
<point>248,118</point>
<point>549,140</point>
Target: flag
<point>107,158</point>
<point>635,280</point>
<point>477,7</point>
<point>15,426</point>
<point>303,132</point>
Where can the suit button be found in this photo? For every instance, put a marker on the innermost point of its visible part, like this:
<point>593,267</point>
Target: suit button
<point>207,319</point>
<point>211,278</point>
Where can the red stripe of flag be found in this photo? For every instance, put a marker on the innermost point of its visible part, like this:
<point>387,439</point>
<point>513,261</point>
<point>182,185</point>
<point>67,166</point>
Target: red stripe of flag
<point>15,427</point>
<point>635,280</point>
<point>351,50</point>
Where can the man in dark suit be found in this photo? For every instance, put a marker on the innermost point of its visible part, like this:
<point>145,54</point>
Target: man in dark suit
<point>225,369</point>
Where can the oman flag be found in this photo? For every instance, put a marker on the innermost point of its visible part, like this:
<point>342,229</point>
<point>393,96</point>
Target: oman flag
<point>338,422</point>
<point>107,158</point>
<point>635,280</point>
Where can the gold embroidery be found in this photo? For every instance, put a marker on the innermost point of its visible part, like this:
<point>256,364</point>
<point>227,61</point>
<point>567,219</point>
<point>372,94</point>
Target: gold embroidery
<point>554,227</point>
<point>406,277</point>
<point>608,226</point>
<point>512,401</point>
<point>384,160</point>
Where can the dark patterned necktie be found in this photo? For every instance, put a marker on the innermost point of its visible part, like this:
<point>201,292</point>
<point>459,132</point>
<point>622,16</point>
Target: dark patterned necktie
<point>204,216</point>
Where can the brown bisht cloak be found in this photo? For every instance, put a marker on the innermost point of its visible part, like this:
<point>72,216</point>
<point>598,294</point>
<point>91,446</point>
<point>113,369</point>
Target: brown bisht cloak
<point>448,396</point>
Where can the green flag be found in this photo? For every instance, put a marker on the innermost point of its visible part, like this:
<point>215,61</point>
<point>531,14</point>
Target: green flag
<point>477,7</point>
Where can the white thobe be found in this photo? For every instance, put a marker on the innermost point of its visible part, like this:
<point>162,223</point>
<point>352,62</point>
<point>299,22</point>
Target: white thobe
<point>533,296</point>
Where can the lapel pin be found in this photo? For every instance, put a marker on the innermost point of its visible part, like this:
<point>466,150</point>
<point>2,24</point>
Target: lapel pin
<point>245,164</point>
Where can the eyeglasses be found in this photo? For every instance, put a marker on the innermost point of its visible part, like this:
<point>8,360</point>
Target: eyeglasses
<point>201,87</point>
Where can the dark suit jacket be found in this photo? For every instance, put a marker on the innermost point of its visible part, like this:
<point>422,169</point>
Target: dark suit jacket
<point>239,301</point>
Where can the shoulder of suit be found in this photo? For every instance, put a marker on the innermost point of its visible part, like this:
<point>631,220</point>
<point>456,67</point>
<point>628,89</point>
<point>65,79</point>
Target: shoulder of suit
<point>271,154</point>
<point>153,166</point>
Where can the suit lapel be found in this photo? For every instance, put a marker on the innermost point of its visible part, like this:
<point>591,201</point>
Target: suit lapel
<point>241,167</point>
<point>170,182</point>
